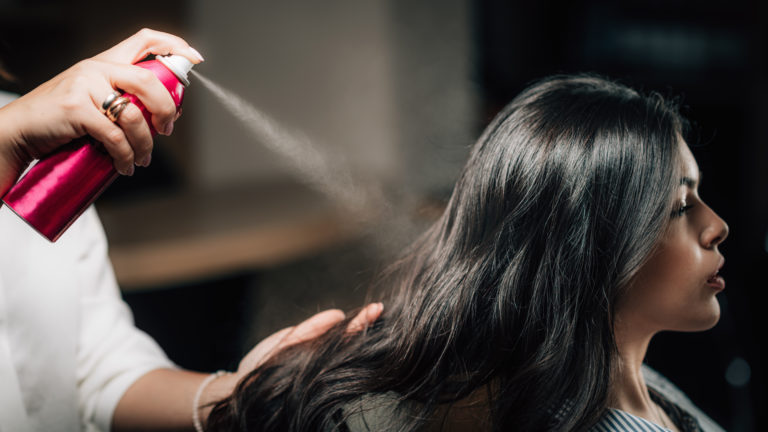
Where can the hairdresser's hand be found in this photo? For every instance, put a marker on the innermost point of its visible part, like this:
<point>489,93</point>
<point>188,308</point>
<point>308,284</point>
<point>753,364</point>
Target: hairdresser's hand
<point>307,330</point>
<point>69,106</point>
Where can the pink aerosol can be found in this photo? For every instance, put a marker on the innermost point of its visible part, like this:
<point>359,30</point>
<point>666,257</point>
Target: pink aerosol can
<point>61,186</point>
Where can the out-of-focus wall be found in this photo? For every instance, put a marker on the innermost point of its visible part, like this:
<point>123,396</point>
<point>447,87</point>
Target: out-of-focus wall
<point>383,82</point>
<point>437,92</point>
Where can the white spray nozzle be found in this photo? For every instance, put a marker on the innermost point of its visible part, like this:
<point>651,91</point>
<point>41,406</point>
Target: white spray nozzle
<point>179,65</point>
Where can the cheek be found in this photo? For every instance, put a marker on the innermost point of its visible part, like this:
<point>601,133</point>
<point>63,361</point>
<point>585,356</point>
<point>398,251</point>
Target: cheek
<point>667,294</point>
<point>669,272</point>
<point>656,288</point>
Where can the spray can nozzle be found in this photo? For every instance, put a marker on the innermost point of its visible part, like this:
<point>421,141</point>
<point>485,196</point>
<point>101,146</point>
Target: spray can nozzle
<point>179,65</point>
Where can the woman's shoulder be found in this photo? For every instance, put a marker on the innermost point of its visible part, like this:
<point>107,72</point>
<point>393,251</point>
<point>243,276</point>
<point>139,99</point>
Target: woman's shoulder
<point>614,420</point>
<point>671,393</point>
<point>378,412</point>
<point>670,397</point>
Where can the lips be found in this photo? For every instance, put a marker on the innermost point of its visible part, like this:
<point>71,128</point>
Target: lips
<point>715,280</point>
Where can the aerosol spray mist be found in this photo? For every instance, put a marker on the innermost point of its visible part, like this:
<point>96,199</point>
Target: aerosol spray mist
<point>58,189</point>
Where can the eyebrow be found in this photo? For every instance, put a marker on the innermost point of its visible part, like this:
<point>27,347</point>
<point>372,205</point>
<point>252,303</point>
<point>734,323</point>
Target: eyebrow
<point>691,183</point>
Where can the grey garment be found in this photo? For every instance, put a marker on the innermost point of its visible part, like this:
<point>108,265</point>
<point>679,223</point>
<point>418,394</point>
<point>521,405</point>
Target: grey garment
<point>378,413</point>
<point>673,394</point>
<point>373,413</point>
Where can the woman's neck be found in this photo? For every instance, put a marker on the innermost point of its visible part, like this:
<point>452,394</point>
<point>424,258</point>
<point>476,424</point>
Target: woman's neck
<point>628,390</point>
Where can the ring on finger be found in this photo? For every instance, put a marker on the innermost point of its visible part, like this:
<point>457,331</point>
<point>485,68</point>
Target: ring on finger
<point>116,107</point>
<point>109,99</point>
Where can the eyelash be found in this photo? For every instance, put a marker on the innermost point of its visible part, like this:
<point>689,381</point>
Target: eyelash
<point>680,211</point>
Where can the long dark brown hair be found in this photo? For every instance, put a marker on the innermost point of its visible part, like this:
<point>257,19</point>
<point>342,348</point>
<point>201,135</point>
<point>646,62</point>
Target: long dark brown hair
<point>511,292</point>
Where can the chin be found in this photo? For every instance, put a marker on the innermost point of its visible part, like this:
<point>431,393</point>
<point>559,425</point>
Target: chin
<point>705,319</point>
<point>708,325</point>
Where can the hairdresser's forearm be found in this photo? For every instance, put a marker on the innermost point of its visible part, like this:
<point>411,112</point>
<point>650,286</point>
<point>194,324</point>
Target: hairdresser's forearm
<point>163,399</point>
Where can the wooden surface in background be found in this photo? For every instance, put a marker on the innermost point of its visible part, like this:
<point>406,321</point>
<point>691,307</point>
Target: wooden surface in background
<point>184,237</point>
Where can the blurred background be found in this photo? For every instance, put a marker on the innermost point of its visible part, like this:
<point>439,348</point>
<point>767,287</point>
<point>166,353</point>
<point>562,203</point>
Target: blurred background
<point>220,241</point>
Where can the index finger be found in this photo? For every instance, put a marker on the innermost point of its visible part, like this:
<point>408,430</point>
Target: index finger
<point>146,42</point>
<point>313,327</point>
<point>367,316</point>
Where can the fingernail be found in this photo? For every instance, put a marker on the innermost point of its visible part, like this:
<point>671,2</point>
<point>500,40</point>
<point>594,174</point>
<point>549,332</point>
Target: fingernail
<point>130,171</point>
<point>178,114</point>
<point>147,160</point>
<point>197,54</point>
<point>168,128</point>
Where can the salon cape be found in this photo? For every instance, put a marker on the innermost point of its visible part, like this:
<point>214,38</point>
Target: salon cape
<point>68,346</point>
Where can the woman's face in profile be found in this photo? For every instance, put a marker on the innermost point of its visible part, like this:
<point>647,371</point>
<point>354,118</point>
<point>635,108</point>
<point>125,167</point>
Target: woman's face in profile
<point>674,289</point>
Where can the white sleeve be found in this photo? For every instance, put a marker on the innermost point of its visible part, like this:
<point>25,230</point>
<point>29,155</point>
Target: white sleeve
<point>112,353</point>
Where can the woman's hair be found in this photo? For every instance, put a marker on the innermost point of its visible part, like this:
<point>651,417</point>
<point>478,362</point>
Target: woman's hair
<point>510,295</point>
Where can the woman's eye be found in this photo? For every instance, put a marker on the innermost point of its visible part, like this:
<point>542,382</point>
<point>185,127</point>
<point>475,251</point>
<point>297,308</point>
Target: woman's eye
<point>681,211</point>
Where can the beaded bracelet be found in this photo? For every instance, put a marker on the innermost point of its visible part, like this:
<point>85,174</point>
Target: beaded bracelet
<point>196,402</point>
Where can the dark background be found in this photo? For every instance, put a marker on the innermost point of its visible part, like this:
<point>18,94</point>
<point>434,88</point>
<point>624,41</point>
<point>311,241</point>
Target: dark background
<point>712,56</point>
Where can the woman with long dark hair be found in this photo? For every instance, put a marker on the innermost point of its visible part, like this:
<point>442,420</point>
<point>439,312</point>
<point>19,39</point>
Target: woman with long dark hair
<point>574,234</point>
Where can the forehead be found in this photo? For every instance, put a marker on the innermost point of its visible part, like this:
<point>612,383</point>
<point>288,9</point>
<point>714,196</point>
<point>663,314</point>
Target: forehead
<point>688,163</point>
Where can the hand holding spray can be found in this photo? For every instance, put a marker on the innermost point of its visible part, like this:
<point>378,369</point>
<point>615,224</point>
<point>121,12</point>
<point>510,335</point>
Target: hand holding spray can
<point>61,186</point>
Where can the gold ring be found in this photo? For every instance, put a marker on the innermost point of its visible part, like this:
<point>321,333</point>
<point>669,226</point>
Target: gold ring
<point>116,107</point>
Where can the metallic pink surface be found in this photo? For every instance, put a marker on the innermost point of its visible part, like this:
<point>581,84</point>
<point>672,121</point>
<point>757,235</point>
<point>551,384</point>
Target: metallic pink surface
<point>63,184</point>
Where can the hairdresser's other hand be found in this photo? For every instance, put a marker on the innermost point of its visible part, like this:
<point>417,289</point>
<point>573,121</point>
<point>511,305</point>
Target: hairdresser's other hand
<point>69,106</point>
<point>307,330</point>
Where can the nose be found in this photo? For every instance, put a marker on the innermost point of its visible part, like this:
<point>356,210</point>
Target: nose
<point>715,231</point>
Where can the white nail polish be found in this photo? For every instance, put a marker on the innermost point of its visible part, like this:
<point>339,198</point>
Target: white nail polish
<point>197,54</point>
